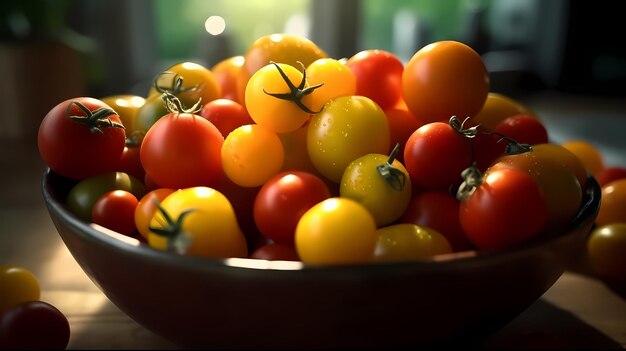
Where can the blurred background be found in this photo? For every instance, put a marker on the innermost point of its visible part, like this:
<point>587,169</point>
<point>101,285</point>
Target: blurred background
<point>51,50</point>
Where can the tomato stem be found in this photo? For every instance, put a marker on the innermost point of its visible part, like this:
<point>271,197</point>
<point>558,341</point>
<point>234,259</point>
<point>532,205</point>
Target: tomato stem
<point>94,120</point>
<point>472,177</point>
<point>394,177</point>
<point>176,85</point>
<point>295,94</point>
<point>172,229</point>
<point>459,127</point>
<point>513,147</point>
<point>174,105</point>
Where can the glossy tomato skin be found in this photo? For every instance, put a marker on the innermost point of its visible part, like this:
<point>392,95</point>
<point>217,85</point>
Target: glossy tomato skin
<point>402,124</point>
<point>17,284</point>
<point>609,174</point>
<point>613,203</point>
<point>146,208</point>
<point>498,107</point>
<point>524,128</point>
<point>606,248</point>
<point>378,76</point>
<point>507,209</point>
<point>445,79</point>
<point>336,79</point>
<point>226,72</point>
<point>126,106</point>
<point>115,210</point>
<point>283,199</point>
<point>182,150</point>
<point>71,149</point>
<point>275,252</point>
<point>130,161</point>
<point>408,242</point>
<point>227,115</point>
<point>34,325</point>
<point>198,83</point>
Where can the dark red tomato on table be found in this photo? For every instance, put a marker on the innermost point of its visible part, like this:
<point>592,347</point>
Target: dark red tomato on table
<point>283,199</point>
<point>378,76</point>
<point>81,137</point>
<point>34,325</point>
<point>226,115</point>
<point>115,210</point>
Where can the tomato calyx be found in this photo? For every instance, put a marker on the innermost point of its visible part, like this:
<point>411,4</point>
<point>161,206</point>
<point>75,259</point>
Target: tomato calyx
<point>472,178</point>
<point>94,120</point>
<point>513,147</point>
<point>172,229</point>
<point>176,85</point>
<point>394,177</point>
<point>459,127</point>
<point>295,94</point>
<point>174,105</point>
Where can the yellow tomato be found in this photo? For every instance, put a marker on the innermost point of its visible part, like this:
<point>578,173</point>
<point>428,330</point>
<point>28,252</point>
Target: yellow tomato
<point>203,223</point>
<point>408,241</point>
<point>337,79</point>
<point>17,285</point>
<point>126,107</point>
<point>198,82</point>
<point>606,248</point>
<point>336,231</point>
<point>613,205</point>
<point>498,107</point>
<point>589,155</point>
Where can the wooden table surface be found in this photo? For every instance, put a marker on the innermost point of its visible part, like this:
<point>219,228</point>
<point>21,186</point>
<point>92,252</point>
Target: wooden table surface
<point>577,312</point>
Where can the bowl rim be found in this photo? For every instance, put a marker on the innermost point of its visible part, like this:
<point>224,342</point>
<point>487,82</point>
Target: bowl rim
<point>101,236</point>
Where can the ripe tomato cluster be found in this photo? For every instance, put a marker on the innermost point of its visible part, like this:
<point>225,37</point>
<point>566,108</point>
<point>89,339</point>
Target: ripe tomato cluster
<point>286,153</point>
<point>26,321</point>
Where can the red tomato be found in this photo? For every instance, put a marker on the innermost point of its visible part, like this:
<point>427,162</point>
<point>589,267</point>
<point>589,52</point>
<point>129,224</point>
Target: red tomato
<point>435,155</point>
<point>438,210</point>
<point>130,162</point>
<point>506,209</point>
<point>273,252</point>
<point>226,115</point>
<point>81,137</point>
<point>182,150</point>
<point>146,208</point>
<point>609,174</point>
<point>378,76</point>
<point>283,199</point>
<point>402,124</point>
<point>115,210</point>
<point>33,325</point>
<point>523,128</point>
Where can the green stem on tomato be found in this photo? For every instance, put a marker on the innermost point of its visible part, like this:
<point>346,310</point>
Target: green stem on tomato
<point>94,120</point>
<point>172,229</point>
<point>394,177</point>
<point>295,94</point>
<point>472,177</point>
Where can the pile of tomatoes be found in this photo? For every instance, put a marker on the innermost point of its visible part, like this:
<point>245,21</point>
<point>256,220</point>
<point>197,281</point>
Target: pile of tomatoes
<point>286,153</point>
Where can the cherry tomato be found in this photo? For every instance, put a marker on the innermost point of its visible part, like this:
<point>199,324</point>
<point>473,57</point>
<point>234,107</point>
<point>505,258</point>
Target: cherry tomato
<point>336,79</point>
<point>606,249</point>
<point>438,210</point>
<point>126,106</point>
<point>146,208</point>
<point>336,231</point>
<point>84,194</point>
<point>296,153</point>
<point>379,182</point>
<point>613,203</point>
<point>150,112</point>
<point>17,284</point>
<point>445,79</point>
<point>226,72</point>
<point>347,128</point>
<point>498,107</point>
<point>279,47</point>
<point>524,128</point>
<point>609,174</point>
<point>182,150</point>
<point>198,83</point>
<point>402,124</point>
<point>275,252</point>
<point>81,137</point>
<point>226,115</point>
<point>378,76</point>
<point>130,161</point>
<point>407,241</point>
<point>251,154</point>
<point>283,199</point>
<point>506,209</point>
<point>588,153</point>
<point>34,325</point>
<point>202,223</point>
<point>115,210</point>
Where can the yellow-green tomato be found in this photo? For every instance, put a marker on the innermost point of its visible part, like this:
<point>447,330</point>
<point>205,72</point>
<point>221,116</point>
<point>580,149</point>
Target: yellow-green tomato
<point>17,285</point>
<point>606,248</point>
<point>202,222</point>
<point>336,231</point>
<point>408,241</point>
<point>381,183</point>
<point>348,127</point>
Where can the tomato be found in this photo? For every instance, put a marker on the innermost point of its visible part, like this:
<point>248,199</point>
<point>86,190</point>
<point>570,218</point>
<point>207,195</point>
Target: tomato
<point>251,154</point>
<point>182,150</point>
<point>84,194</point>
<point>296,153</point>
<point>17,284</point>
<point>226,115</point>
<point>202,222</point>
<point>226,72</point>
<point>337,79</point>
<point>126,107</point>
<point>407,241</point>
<point>606,249</point>
<point>379,182</point>
<point>278,97</point>
<point>146,208</point>
<point>283,199</point>
<point>34,325</point>
<point>378,76</point>
<point>336,231</point>
<point>282,48</point>
<point>523,128</point>
<point>347,128</point>
<point>115,210</point>
<point>435,155</point>
<point>275,252</point>
<point>589,155</point>
<point>507,208</point>
<point>562,190</point>
<point>81,137</point>
<point>198,83</point>
<point>402,124</point>
<point>613,203</point>
<point>497,108</point>
<point>130,161</point>
<point>445,79</point>
<point>609,174</point>
<point>438,210</point>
